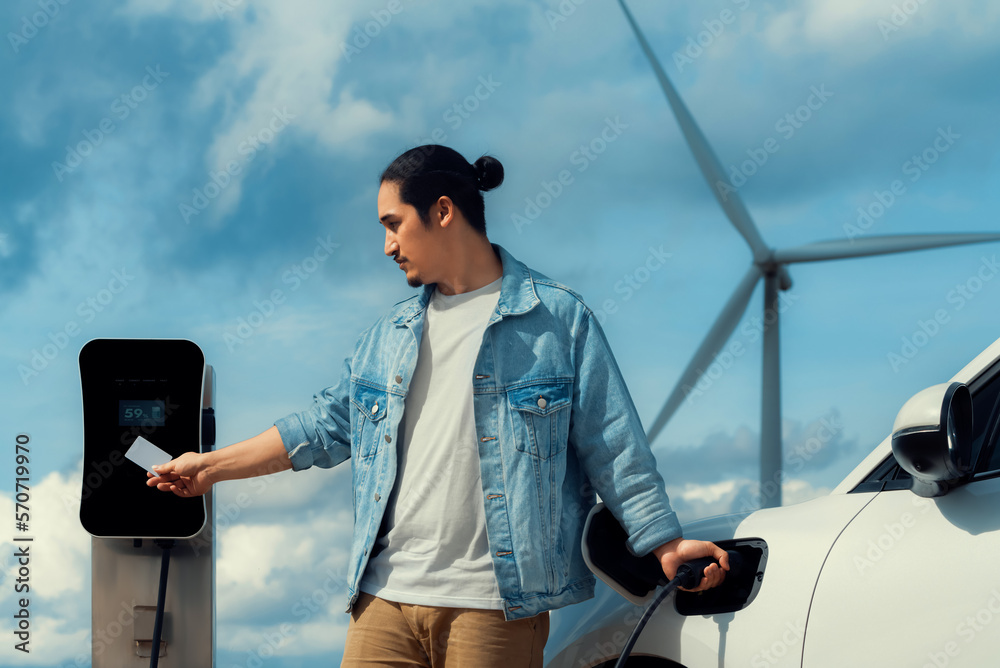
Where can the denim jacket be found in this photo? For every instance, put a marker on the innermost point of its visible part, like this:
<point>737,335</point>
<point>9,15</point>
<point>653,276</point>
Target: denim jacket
<point>554,421</point>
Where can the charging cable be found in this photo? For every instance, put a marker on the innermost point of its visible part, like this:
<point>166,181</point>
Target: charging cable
<point>688,576</point>
<point>154,655</point>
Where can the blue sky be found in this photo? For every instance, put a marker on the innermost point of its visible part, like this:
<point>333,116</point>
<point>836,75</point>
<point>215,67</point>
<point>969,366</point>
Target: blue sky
<point>196,155</point>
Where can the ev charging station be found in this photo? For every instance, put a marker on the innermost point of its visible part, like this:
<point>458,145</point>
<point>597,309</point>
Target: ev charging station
<point>153,565</point>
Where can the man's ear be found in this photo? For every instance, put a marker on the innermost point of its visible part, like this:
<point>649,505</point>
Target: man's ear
<point>443,211</point>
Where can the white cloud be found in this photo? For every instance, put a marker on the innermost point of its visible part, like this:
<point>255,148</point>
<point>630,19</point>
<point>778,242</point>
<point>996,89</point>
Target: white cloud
<point>696,501</point>
<point>857,29</point>
<point>59,575</point>
<point>55,520</point>
<point>708,494</point>
<point>56,642</point>
<point>288,56</point>
<point>293,572</point>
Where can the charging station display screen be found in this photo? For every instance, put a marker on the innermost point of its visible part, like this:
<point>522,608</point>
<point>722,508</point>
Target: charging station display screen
<point>141,412</point>
<point>131,388</point>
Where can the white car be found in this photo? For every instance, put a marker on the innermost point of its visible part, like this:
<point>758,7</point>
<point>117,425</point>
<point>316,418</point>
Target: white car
<point>898,566</point>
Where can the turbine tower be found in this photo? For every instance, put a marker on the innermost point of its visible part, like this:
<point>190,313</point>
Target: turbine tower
<point>771,265</point>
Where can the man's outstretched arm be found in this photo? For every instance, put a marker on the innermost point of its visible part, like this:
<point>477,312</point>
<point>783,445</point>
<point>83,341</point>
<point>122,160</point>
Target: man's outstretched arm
<point>193,473</point>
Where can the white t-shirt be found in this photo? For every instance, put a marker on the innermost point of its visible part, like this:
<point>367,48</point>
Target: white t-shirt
<point>434,549</point>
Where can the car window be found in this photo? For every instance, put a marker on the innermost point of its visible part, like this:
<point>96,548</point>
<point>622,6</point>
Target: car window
<point>985,416</point>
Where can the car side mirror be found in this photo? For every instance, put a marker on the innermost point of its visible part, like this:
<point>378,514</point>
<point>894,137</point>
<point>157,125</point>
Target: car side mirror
<point>932,438</point>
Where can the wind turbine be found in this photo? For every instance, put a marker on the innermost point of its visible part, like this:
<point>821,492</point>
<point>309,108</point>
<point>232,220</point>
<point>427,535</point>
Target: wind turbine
<point>771,265</point>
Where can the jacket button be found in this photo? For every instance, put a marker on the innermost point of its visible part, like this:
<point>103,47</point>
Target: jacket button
<point>399,379</point>
<point>375,408</point>
<point>377,497</point>
<point>388,438</point>
<point>541,402</point>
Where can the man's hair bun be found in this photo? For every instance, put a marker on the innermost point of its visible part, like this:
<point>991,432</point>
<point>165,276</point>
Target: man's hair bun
<point>489,172</point>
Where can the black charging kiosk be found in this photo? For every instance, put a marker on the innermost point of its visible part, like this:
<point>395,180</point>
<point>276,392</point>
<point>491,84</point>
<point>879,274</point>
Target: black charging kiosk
<point>142,387</point>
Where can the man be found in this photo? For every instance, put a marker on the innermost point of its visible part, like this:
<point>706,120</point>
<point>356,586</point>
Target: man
<point>479,416</point>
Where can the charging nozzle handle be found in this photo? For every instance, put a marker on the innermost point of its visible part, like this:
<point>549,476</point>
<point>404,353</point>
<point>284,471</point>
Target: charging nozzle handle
<point>690,573</point>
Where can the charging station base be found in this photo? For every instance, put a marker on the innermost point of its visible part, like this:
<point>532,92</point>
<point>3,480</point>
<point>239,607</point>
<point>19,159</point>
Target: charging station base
<point>125,578</point>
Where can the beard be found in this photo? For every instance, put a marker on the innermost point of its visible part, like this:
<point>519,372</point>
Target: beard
<point>414,282</point>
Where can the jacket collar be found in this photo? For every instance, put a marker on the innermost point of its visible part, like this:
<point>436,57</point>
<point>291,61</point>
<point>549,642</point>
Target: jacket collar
<point>517,291</point>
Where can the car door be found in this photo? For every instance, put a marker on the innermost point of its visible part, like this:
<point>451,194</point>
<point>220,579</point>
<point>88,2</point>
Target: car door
<point>914,581</point>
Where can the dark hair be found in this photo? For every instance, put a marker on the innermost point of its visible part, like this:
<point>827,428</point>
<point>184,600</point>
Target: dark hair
<point>426,173</point>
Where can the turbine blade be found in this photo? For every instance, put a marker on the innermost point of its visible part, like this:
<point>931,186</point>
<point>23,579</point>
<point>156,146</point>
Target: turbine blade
<point>731,203</point>
<point>901,243</point>
<point>717,336</point>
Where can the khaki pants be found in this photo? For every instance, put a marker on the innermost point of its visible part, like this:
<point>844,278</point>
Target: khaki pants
<point>383,633</point>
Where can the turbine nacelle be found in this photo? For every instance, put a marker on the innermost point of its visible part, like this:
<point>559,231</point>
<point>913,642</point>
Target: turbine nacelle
<point>770,267</point>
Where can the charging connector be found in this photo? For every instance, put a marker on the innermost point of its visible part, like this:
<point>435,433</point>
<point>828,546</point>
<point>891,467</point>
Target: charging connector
<point>689,575</point>
<point>606,553</point>
<point>167,546</point>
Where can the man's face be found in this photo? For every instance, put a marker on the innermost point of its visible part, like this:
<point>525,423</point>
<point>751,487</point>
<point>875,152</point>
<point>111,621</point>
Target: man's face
<point>413,245</point>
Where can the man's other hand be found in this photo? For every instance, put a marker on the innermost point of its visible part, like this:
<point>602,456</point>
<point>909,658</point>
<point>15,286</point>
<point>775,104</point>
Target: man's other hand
<point>680,551</point>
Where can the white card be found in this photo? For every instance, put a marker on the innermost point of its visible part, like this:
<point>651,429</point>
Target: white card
<point>145,454</point>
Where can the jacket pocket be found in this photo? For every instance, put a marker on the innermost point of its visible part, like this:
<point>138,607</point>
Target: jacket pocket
<point>370,407</point>
<point>541,417</point>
